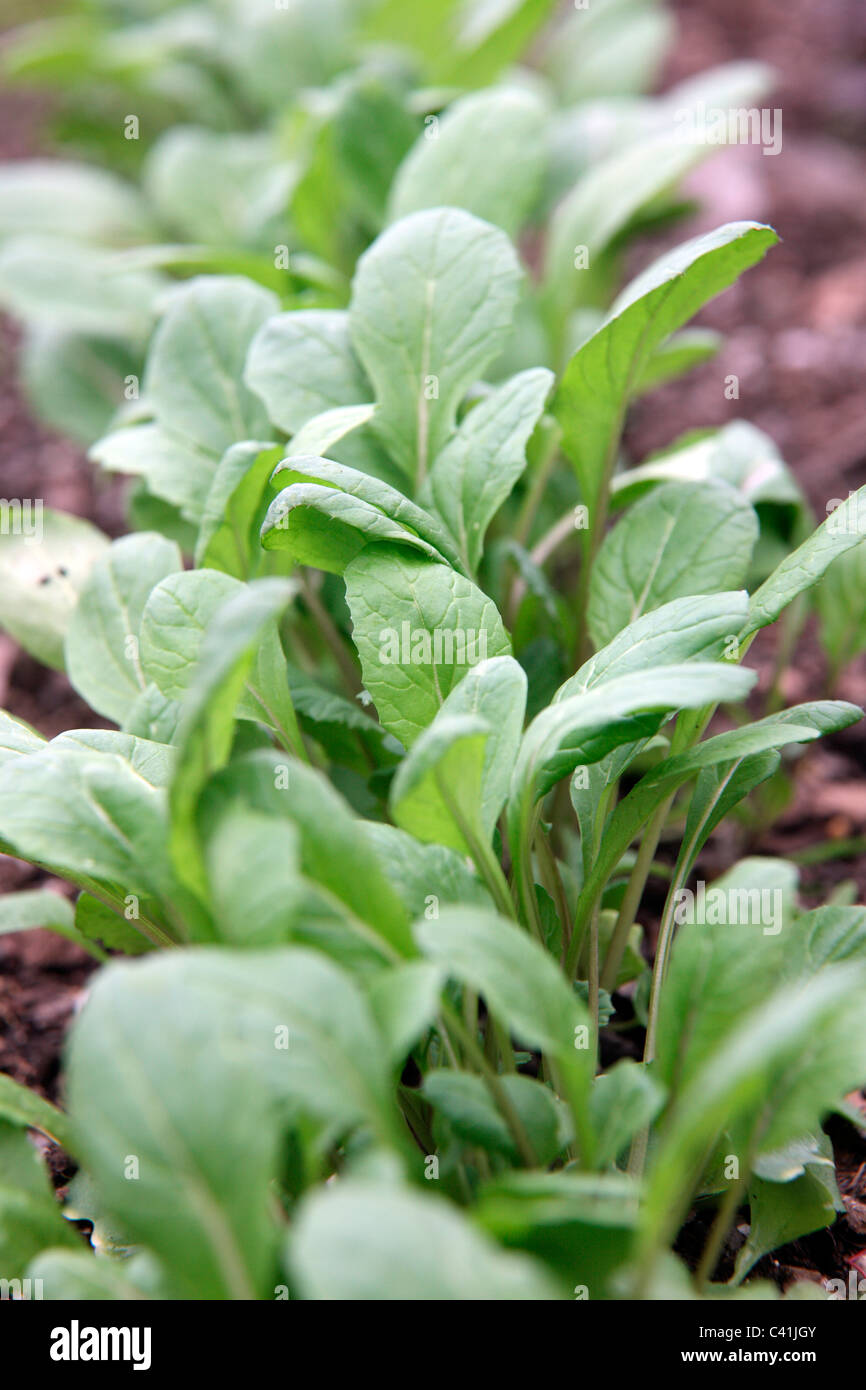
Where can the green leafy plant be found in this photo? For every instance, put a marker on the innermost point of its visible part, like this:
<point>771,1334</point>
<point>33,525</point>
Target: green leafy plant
<point>414,954</point>
<point>420,688</point>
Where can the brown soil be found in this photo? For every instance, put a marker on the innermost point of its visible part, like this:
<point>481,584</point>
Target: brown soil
<point>795,334</point>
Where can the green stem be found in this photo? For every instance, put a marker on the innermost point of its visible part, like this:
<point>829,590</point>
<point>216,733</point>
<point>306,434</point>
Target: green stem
<point>633,894</point>
<point>493,1082</point>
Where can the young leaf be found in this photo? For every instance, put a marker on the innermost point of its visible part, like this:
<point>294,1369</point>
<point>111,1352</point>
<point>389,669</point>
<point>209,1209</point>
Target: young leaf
<point>806,565</point>
<point>336,849</point>
<point>522,985</point>
<point>16,738</point>
<point>20,1106</point>
<point>415,1247</point>
<point>228,537</point>
<point>102,642</point>
<point>302,363</point>
<point>604,373</point>
<point>466,1103</point>
<point>684,538</point>
<point>196,361</point>
<point>475,472</point>
<point>841,602</point>
<point>761,1085</point>
<point>783,1211</point>
<point>175,470</point>
<point>87,814</point>
<point>418,627</point>
<point>206,1136</point>
<point>325,528</point>
<point>488,158</point>
<point>436,792</point>
<point>415,525</point>
<point>690,628</point>
<point>30,1217</point>
<point>207,723</point>
<point>41,908</point>
<point>432,303</point>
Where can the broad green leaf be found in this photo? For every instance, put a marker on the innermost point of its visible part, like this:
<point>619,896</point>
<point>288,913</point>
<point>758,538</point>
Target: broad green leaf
<point>423,876</point>
<point>153,761</point>
<point>827,935</point>
<point>495,691</point>
<point>302,364</point>
<point>841,602</point>
<point>486,155</point>
<point>604,373</point>
<point>424,529</point>
<point>327,529</point>
<point>684,538</point>
<point>690,628</point>
<point>102,642</point>
<point>30,1216</point>
<point>75,383</point>
<point>623,1101</point>
<point>260,1032</point>
<point>115,930</point>
<point>83,289</point>
<point>781,1211</point>
<point>844,528</point>
<point>228,537</point>
<point>176,620</point>
<point>738,454</point>
<point>20,1106</point>
<point>174,469</point>
<point>227,655</point>
<point>452,785</point>
<point>39,907</point>
<point>75,1276</point>
<point>335,849</point>
<point>436,792</point>
<point>478,467</point>
<point>465,1102</point>
<point>226,189</point>
<point>85,813</point>
<point>43,568</point>
<point>521,983</point>
<point>254,870</point>
<point>582,1225</point>
<point>615,47</point>
<point>432,303</point>
<point>176,617</point>
<point>720,969</point>
<point>405,1002</point>
<point>196,360</point>
<point>94,204</point>
<point>16,738</point>
<point>153,716</point>
<point>416,1248</point>
<point>761,1084</point>
<point>418,628</point>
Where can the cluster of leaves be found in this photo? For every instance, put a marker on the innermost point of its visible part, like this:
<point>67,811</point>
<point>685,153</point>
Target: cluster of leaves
<point>387,782</point>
